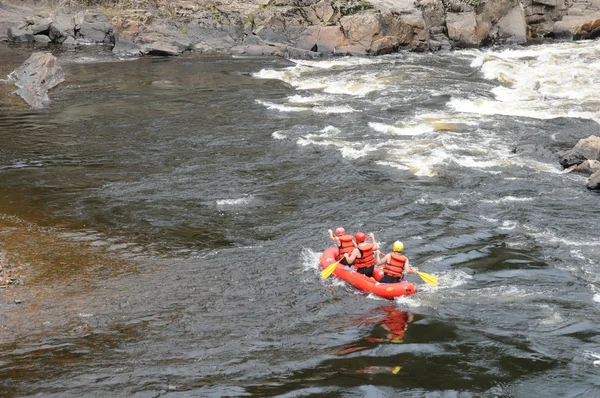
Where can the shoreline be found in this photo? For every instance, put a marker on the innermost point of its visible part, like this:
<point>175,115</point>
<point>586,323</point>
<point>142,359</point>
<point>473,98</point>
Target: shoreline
<point>291,29</point>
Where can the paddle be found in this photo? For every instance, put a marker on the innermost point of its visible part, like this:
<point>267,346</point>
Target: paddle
<point>432,280</point>
<point>329,270</point>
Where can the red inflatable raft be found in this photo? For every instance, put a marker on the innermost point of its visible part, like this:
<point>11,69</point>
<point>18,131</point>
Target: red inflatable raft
<point>362,282</point>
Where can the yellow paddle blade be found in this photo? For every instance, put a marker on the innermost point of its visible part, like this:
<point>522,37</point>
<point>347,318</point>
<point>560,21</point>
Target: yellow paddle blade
<point>329,270</point>
<point>432,280</point>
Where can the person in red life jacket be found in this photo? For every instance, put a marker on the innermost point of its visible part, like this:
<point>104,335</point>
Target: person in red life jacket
<point>363,256</point>
<point>345,243</point>
<point>395,264</point>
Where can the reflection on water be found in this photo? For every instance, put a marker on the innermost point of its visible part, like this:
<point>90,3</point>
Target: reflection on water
<point>391,328</point>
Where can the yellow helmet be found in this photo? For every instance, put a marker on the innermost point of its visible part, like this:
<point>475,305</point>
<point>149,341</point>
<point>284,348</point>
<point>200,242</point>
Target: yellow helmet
<point>398,246</point>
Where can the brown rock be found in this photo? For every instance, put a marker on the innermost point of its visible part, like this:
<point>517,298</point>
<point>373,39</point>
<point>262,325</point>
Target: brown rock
<point>386,45</point>
<point>462,28</point>
<point>593,182</point>
<point>38,74</point>
<point>586,149</point>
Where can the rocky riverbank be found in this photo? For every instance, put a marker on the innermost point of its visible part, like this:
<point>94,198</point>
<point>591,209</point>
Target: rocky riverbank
<point>294,28</point>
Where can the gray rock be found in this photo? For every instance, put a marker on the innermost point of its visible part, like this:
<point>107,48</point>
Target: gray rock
<point>512,27</point>
<point>93,27</point>
<point>42,26</point>
<point>257,50</point>
<point>41,39</point>
<point>160,48</point>
<point>586,149</point>
<point>204,48</point>
<point>593,182</point>
<point>69,41</point>
<point>38,74</point>
<point>587,166</point>
<point>577,27</point>
<point>20,35</point>
<point>62,26</point>
<point>127,48</point>
<point>385,45</point>
<point>462,28</point>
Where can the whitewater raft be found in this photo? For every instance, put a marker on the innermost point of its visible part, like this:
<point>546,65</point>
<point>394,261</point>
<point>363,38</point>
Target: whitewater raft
<point>364,283</point>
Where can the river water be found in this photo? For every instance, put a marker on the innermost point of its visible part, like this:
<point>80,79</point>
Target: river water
<point>203,188</point>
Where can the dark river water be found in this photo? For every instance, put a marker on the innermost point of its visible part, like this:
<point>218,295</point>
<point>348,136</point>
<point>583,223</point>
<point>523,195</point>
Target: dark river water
<point>209,185</point>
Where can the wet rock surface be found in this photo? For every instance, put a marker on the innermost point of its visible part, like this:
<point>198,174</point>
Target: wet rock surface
<point>38,74</point>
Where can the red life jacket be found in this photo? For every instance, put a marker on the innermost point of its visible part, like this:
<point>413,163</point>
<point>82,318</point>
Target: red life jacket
<point>395,267</point>
<point>367,258</point>
<point>346,244</point>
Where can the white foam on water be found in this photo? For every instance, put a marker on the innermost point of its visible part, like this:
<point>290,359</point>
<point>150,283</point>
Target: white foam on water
<point>547,236</point>
<point>392,164</point>
<point>509,198</point>
<point>550,316</point>
<point>310,99</point>
<point>540,82</point>
<point>334,109</point>
<point>532,83</point>
<point>502,293</point>
<point>282,108</point>
<point>341,62</point>
<point>310,260</point>
<point>406,130</point>
<point>359,86</point>
<point>309,75</point>
<point>489,219</point>
<point>509,225</point>
<point>578,255</point>
<point>446,201</point>
<point>331,131</point>
<point>235,202</point>
<point>592,356</point>
<point>278,135</point>
<point>451,279</point>
<point>358,151</point>
<point>410,301</point>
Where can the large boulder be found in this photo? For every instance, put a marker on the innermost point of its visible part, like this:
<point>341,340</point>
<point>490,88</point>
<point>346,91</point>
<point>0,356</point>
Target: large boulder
<point>62,26</point>
<point>578,27</point>
<point>93,27</point>
<point>501,21</point>
<point>586,149</point>
<point>462,29</point>
<point>511,28</point>
<point>42,27</point>
<point>20,35</point>
<point>38,74</point>
<point>160,48</point>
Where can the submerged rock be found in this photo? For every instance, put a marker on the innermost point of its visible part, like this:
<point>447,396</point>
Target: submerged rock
<point>38,74</point>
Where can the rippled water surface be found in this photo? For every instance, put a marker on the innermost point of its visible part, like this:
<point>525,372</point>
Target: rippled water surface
<point>185,203</point>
